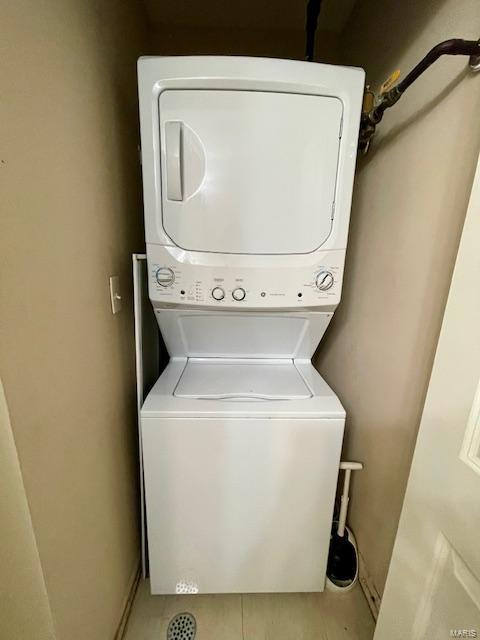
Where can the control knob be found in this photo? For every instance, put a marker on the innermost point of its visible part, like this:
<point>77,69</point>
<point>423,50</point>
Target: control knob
<point>165,276</point>
<point>324,281</point>
<point>238,294</point>
<point>218,293</point>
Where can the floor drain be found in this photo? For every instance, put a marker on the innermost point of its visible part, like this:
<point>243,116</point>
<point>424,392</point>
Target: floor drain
<point>182,627</point>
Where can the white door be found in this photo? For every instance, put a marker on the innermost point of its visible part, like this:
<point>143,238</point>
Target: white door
<point>433,586</point>
<point>248,172</point>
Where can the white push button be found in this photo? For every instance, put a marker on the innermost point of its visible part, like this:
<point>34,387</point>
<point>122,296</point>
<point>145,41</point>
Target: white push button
<point>218,293</point>
<point>238,294</point>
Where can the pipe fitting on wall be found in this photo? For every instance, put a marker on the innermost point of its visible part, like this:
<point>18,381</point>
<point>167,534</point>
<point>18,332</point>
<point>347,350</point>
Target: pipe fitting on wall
<point>371,117</point>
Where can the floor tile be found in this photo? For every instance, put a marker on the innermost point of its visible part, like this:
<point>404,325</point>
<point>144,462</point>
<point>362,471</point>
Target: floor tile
<point>219,617</point>
<point>282,617</point>
<point>293,616</point>
<point>307,616</point>
<point>347,616</point>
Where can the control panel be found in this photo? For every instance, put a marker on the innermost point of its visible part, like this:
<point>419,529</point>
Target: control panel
<point>173,283</point>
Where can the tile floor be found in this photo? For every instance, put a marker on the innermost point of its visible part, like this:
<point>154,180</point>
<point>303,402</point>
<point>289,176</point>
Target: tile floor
<point>294,616</point>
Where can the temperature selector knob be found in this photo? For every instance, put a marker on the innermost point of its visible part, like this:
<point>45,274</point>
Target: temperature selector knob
<point>238,294</point>
<point>324,281</point>
<point>165,276</point>
<point>218,293</point>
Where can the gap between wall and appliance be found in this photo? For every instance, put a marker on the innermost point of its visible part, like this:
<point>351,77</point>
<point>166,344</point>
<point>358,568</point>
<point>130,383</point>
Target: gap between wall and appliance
<point>370,592</point>
<point>128,602</point>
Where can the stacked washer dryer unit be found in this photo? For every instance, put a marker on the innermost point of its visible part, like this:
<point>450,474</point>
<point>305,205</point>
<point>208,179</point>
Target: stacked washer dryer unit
<point>248,168</point>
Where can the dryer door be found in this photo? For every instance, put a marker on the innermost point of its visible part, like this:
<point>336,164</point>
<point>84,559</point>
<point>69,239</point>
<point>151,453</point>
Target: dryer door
<point>248,172</point>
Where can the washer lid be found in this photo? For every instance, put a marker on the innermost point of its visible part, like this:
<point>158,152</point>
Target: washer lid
<point>248,172</point>
<point>242,380</point>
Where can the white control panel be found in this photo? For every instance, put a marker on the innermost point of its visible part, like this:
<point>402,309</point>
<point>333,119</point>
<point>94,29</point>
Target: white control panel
<point>175,283</point>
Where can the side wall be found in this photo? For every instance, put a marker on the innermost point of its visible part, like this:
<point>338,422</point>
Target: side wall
<point>410,200</point>
<point>24,607</point>
<point>71,216</point>
<point>184,40</point>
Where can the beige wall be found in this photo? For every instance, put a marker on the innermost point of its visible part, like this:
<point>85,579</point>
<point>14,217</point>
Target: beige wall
<point>410,200</point>
<point>24,608</point>
<point>71,216</point>
<point>182,40</point>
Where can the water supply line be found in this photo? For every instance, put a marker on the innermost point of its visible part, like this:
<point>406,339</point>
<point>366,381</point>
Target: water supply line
<point>375,106</point>
<point>313,11</point>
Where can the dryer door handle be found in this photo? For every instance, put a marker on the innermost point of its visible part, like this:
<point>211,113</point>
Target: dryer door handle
<point>173,153</point>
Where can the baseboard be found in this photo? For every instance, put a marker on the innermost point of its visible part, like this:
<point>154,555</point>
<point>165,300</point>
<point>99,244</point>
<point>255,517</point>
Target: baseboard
<point>128,602</point>
<point>371,594</point>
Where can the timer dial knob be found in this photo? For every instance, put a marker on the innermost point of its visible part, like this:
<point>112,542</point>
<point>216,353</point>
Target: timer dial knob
<point>165,276</point>
<point>238,294</point>
<point>218,293</point>
<point>324,281</point>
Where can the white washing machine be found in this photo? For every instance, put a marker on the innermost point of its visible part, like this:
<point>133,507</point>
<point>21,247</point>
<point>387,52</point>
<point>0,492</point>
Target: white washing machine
<point>248,169</point>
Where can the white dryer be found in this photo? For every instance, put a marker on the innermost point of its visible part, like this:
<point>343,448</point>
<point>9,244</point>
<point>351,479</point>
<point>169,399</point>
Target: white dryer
<point>248,170</point>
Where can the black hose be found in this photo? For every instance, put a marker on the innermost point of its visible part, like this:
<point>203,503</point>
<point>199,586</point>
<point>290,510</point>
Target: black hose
<point>313,11</point>
<point>453,47</point>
